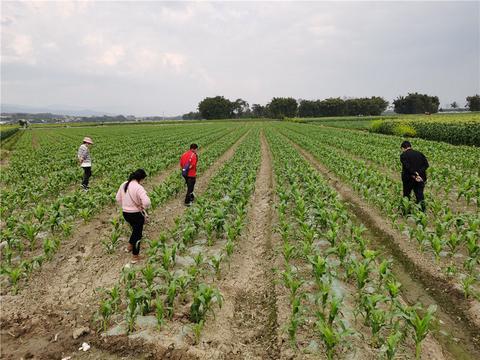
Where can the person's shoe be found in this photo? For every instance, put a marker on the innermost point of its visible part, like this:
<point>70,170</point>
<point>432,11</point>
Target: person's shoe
<point>136,259</point>
<point>188,204</point>
<point>84,188</point>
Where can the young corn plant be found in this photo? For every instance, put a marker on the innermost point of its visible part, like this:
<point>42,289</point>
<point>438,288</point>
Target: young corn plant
<point>132,309</point>
<point>197,331</point>
<point>296,318</point>
<point>30,232</point>
<point>209,230</point>
<point>49,247</point>
<point>66,228</point>
<point>437,246</point>
<point>39,213</point>
<point>291,281</point>
<point>172,291</point>
<point>111,244</point>
<point>229,247</point>
<point>319,268</point>
<point>203,300</point>
<point>392,342</point>
<point>14,275</point>
<point>378,319</point>
<point>467,283</point>
<point>149,273</point>
<point>104,313</point>
<point>215,263</point>
<point>114,294</point>
<point>420,325</point>
<point>160,312</point>
<point>331,334</point>
<point>361,271</point>
<point>288,251</point>
<point>85,213</point>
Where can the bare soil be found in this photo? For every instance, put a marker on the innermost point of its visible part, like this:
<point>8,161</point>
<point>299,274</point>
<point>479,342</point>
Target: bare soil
<point>40,320</point>
<point>446,293</point>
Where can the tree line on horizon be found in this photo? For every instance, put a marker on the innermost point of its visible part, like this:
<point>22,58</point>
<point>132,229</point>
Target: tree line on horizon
<point>219,107</point>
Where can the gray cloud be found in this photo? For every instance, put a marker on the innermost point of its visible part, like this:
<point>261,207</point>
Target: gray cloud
<point>155,57</point>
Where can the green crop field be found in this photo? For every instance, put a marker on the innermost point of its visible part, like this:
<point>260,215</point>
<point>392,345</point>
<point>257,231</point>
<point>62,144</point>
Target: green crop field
<point>298,233</point>
<point>456,128</point>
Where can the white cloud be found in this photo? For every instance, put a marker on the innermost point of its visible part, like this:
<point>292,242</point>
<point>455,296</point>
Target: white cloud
<point>174,60</point>
<point>112,56</point>
<point>19,49</point>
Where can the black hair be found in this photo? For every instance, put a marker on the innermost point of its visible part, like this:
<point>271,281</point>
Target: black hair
<point>138,175</point>
<point>406,145</point>
<point>193,146</point>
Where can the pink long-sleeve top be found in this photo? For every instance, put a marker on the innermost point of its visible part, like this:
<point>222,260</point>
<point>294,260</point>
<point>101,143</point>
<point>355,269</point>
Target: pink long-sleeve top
<point>135,199</point>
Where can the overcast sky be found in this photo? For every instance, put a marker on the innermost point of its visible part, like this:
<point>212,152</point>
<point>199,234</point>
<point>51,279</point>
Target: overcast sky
<point>147,58</point>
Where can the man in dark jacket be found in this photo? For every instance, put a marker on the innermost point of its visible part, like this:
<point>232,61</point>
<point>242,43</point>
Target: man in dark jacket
<point>414,172</point>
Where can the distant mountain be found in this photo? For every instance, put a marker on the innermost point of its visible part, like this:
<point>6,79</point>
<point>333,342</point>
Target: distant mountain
<point>53,109</point>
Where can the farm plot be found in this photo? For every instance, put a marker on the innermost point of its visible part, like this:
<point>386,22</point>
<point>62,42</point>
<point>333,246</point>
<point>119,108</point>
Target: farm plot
<point>337,290</point>
<point>276,259</point>
<point>184,262</point>
<point>33,232</point>
<point>450,238</point>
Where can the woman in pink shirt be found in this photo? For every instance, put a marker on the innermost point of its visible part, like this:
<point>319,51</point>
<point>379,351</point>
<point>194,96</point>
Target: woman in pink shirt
<point>134,201</point>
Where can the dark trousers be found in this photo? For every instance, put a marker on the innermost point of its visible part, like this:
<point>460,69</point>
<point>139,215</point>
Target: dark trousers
<point>417,187</point>
<point>190,181</point>
<point>87,172</point>
<point>136,221</point>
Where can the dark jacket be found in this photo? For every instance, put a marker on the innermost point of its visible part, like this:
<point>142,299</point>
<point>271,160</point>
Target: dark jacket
<point>413,161</point>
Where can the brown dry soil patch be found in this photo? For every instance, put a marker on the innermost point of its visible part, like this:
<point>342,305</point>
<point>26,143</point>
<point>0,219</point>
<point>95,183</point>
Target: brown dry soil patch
<point>4,159</point>
<point>246,326</point>
<point>62,296</point>
<point>446,293</point>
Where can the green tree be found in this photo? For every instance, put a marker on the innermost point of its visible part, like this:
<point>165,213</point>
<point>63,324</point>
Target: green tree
<point>473,102</point>
<point>332,107</point>
<point>259,111</point>
<point>216,108</point>
<point>240,108</point>
<point>308,108</point>
<point>193,115</point>
<point>415,103</point>
<point>280,108</point>
<point>454,105</point>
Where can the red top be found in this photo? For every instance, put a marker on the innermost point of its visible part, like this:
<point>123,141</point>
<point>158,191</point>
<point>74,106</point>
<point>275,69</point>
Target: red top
<point>191,157</point>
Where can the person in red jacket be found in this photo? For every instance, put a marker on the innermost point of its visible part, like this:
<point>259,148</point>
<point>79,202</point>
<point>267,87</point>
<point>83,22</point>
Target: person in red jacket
<point>188,164</point>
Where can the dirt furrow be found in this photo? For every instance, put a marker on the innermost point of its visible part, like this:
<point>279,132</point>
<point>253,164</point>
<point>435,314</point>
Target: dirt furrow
<point>62,296</point>
<point>445,292</point>
<point>246,326</point>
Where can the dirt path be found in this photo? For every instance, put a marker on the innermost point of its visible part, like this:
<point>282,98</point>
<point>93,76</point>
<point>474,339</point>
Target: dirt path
<point>246,326</point>
<point>447,294</point>
<point>62,297</point>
